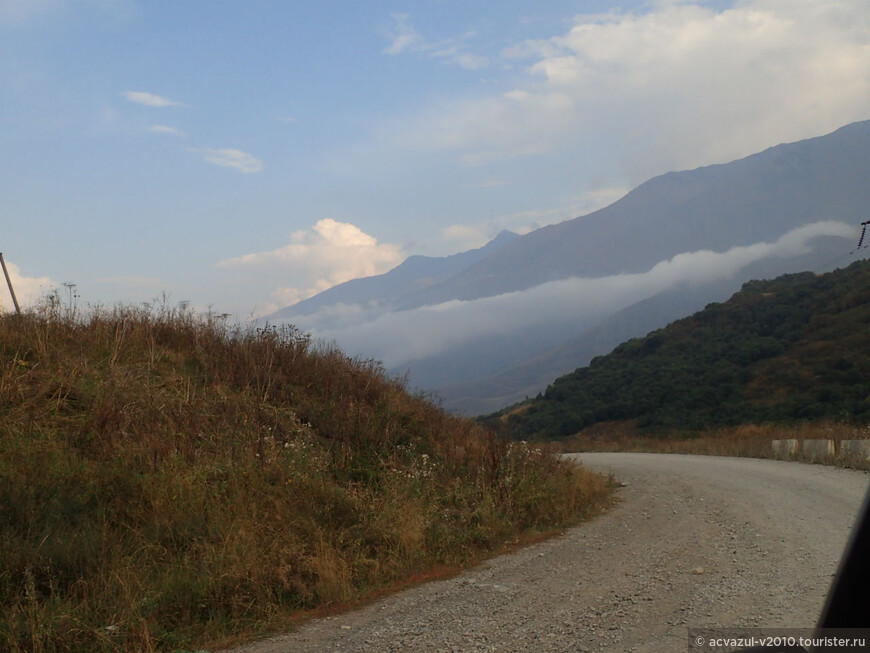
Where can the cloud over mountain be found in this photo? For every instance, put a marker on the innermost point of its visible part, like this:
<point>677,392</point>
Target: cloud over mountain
<point>330,253</point>
<point>759,71</point>
<point>403,336</point>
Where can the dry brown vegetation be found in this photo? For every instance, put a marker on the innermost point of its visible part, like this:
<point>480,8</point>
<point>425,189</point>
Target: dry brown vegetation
<point>168,482</point>
<point>747,440</point>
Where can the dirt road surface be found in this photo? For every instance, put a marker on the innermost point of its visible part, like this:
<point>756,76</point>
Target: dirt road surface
<point>696,541</point>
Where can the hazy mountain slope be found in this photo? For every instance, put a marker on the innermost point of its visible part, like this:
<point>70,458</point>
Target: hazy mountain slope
<point>531,375</point>
<point>787,349</point>
<point>716,207</point>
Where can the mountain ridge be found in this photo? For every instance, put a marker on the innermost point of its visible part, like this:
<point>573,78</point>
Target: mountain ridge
<point>655,197</point>
<point>496,325</point>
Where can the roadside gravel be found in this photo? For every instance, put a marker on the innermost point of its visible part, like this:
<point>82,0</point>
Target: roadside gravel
<point>695,541</point>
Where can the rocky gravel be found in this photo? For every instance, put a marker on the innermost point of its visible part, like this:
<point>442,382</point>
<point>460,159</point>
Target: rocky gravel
<point>694,541</point>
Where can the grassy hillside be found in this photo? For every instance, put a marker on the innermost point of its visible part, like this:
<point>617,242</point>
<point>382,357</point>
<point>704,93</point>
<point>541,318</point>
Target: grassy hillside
<point>796,348</point>
<point>166,482</point>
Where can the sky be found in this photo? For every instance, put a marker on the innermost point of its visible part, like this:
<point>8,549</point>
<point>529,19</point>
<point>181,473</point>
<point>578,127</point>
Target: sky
<point>245,156</point>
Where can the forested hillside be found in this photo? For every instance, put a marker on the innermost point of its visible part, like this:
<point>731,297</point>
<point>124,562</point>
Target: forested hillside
<point>790,349</point>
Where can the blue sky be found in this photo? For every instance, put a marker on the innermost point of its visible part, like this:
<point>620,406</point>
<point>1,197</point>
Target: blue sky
<point>246,155</point>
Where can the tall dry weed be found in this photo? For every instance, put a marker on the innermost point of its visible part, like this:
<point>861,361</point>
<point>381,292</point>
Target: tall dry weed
<point>745,440</point>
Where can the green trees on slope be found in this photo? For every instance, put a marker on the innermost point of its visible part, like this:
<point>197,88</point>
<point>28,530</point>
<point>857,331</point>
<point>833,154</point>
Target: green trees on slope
<point>792,348</point>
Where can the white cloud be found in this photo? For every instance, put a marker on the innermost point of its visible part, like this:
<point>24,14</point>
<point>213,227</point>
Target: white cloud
<point>165,129</point>
<point>27,289</point>
<point>330,253</point>
<point>150,100</point>
<point>453,52</point>
<point>677,85</point>
<point>469,61</point>
<point>404,37</point>
<point>230,158</point>
<point>400,337</point>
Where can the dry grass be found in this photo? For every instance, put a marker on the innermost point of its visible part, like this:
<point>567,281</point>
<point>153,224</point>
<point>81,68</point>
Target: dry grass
<point>167,482</point>
<point>748,440</point>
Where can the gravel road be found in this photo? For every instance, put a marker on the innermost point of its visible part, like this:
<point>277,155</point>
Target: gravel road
<point>696,541</point>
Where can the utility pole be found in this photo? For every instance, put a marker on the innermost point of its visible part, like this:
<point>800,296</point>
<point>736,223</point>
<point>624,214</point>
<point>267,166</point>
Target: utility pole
<point>863,231</point>
<point>9,283</point>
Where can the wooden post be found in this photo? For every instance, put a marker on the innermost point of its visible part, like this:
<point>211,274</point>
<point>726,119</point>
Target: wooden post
<point>9,283</point>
